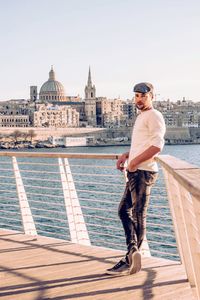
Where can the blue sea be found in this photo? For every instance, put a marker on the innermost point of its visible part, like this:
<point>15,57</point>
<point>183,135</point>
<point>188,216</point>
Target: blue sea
<point>189,153</point>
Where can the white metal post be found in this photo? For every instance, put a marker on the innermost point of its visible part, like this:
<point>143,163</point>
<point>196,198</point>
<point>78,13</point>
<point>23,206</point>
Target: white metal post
<point>27,218</point>
<point>77,226</point>
<point>145,250</point>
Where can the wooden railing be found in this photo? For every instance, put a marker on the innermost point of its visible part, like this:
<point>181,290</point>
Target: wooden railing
<point>183,187</point>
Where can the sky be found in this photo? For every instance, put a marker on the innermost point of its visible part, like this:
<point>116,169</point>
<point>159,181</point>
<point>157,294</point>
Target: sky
<point>123,41</point>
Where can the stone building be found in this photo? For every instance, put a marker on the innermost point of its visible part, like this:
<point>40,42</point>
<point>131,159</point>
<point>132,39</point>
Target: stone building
<point>14,121</point>
<point>49,115</point>
<point>52,90</point>
<point>182,113</point>
<point>114,112</point>
<point>15,107</point>
<point>90,102</point>
<point>16,113</point>
<point>92,110</point>
<point>33,93</point>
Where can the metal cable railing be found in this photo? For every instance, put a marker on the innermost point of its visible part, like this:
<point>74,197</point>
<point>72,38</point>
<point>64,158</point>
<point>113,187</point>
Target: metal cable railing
<point>99,187</point>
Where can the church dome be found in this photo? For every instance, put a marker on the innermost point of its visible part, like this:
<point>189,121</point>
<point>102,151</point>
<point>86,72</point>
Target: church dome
<point>52,86</point>
<point>52,90</point>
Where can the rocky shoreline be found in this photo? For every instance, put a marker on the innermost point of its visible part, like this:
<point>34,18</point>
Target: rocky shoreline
<point>31,138</point>
<point>28,145</point>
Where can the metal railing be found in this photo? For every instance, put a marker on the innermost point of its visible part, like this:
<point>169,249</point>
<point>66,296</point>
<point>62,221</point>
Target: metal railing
<point>41,179</point>
<point>76,197</point>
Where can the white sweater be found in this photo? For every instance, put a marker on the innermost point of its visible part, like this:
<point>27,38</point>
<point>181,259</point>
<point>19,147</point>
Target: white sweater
<point>148,130</point>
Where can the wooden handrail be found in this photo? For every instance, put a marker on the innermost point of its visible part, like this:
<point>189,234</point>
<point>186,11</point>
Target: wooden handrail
<point>59,155</point>
<point>188,175</point>
<point>183,187</point>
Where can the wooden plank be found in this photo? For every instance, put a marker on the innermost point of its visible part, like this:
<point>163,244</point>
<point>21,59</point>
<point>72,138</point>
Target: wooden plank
<point>177,211</point>
<point>49,268</point>
<point>190,180</point>
<point>185,173</point>
<point>59,154</point>
<point>171,162</point>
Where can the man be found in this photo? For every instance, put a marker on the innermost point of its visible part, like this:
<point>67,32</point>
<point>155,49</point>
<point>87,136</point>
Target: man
<point>147,141</point>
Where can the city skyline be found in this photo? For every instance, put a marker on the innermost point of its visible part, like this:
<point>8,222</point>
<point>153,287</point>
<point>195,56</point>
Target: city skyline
<point>123,43</point>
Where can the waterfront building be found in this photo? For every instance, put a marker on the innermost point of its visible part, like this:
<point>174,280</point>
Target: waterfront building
<point>112,112</point>
<point>79,106</point>
<point>181,113</point>
<point>53,92</point>
<point>116,112</point>
<point>15,113</point>
<point>49,115</point>
<point>95,111</point>
<point>129,112</point>
<point>14,121</point>
<point>99,112</point>
<point>14,107</point>
<point>76,141</point>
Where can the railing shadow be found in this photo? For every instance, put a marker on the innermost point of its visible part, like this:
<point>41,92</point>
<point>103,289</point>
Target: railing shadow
<point>145,280</point>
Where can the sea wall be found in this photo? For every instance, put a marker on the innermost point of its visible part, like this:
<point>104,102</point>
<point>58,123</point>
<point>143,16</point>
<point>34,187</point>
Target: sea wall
<point>173,135</point>
<point>42,134</point>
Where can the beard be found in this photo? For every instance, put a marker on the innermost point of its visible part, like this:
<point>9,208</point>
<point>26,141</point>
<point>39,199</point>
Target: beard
<point>140,106</point>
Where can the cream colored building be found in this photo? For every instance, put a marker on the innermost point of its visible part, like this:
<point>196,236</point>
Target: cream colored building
<point>50,115</point>
<point>182,113</point>
<point>116,112</point>
<point>14,121</point>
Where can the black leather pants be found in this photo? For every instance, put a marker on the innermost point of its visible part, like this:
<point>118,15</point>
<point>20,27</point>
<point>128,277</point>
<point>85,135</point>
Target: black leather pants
<point>134,204</point>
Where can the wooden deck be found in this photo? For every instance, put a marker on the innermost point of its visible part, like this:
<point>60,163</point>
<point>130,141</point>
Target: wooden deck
<point>53,269</point>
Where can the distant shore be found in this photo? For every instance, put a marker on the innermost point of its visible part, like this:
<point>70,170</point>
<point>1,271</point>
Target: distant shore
<point>32,137</point>
<point>21,145</point>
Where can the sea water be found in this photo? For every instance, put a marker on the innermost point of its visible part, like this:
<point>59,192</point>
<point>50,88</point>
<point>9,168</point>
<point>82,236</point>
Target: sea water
<point>189,153</point>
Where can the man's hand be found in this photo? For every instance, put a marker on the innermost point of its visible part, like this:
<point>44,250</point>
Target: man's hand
<point>132,166</point>
<point>149,153</point>
<point>121,160</point>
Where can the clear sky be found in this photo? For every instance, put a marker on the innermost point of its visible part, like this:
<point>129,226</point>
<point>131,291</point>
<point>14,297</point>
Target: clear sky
<point>124,42</point>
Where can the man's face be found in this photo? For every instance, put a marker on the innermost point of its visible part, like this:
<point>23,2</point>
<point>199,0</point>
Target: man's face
<point>143,101</point>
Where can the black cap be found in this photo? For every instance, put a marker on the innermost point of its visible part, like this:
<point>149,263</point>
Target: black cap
<point>143,87</point>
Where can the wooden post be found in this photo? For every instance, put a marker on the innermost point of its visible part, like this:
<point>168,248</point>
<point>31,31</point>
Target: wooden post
<point>192,229</point>
<point>27,218</point>
<point>178,218</point>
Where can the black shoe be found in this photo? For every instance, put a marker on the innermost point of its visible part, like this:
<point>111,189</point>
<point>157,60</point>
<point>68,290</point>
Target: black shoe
<point>121,268</point>
<point>134,258</point>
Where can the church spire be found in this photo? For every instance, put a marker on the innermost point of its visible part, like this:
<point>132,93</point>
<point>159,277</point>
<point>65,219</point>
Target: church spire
<point>89,83</point>
<point>52,74</point>
<point>90,90</point>
<point>90,101</point>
